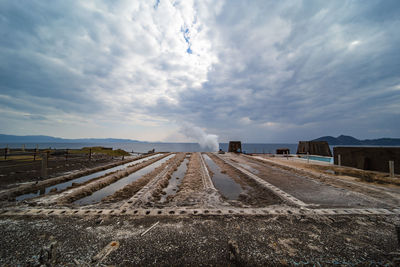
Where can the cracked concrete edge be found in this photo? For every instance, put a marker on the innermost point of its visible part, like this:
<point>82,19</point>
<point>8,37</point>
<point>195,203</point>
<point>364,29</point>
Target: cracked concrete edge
<point>182,211</point>
<point>205,175</point>
<point>282,194</point>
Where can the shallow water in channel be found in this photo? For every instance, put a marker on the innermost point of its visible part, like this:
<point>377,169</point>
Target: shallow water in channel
<point>112,188</point>
<point>223,182</point>
<point>175,181</point>
<point>81,179</point>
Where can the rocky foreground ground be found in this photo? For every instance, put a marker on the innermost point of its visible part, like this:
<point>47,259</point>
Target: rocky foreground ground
<point>200,240</point>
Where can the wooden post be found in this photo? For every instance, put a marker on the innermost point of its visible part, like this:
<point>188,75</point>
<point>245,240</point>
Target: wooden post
<point>123,157</point>
<point>23,148</point>
<point>308,157</point>
<point>47,157</point>
<point>90,153</point>
<point>44,165</point>
<point>34,155</point>
<point>339,158</point>
<point>391,168</point>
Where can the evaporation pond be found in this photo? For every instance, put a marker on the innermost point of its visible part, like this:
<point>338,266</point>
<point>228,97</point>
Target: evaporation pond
<point>223,182</point>
<point>175,181</point>
<point>112,188</point>
<point>82,179</point>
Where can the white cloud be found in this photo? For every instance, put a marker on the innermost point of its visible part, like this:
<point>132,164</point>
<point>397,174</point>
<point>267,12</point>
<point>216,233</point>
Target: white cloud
<point>354,44</point>
<point>254,70</point>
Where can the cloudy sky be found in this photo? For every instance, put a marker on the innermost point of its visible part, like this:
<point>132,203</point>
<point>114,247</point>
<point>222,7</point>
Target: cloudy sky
<point>256,71</point>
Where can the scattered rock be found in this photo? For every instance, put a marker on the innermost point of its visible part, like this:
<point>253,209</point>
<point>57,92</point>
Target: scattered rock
<point>53,190</point>
<point>46,257</point>
<point>113,245</point>
<point>233,250</point>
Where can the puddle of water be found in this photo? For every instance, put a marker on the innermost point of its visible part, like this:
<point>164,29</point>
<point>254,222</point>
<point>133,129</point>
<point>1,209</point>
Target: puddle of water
<point>175,181</point>
<point>223,182</point>
<point>27,196</point>
<point>112,188</point>
<point>249,168</point>
<point>82,179</point>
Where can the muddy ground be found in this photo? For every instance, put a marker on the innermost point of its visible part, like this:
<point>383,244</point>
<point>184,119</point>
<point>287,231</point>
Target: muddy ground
<point>308,188</point>
<point>97,184</point>
<point>254,195</point>
<point>131,189</point>
<point>191,189</point>
<point>15,172</point>
<point>343,171</point>
<point>163,183</point>
<point>370,177</point>
<point>31,187</point>
<point>329,174</point>
<point>229,240</point>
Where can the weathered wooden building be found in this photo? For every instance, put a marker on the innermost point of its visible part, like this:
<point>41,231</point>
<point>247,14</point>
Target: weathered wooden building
<point>368,158</point>
<point>235,146</point>
<point>320,148</point>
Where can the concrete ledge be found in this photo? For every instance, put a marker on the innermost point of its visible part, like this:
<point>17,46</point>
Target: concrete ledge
<point>225,211</point>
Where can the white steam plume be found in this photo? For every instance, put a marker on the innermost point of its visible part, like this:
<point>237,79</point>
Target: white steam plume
<point>206,141</point>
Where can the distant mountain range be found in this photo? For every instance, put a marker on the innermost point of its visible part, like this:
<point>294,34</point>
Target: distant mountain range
<point>4,138</point>
<point>349,140</point>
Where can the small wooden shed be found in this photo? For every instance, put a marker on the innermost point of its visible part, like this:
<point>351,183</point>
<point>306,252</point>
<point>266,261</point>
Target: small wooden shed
<point>283,151</point>
<point>235,146</point>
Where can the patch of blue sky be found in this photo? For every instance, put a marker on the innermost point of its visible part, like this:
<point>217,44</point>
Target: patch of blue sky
<point>186,32</point>
<point>156,4</point>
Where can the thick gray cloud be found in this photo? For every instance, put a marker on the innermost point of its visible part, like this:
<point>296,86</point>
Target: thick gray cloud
<point>258,71</point>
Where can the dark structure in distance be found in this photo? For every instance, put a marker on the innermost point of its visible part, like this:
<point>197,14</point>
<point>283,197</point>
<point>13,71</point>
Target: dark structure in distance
<point>283,151</point>
<point>320,148</point>
<point>235,146</point>
<point>368,158</point>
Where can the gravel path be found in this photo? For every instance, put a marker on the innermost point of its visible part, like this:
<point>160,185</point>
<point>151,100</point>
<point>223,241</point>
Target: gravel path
<point>197,241</point>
